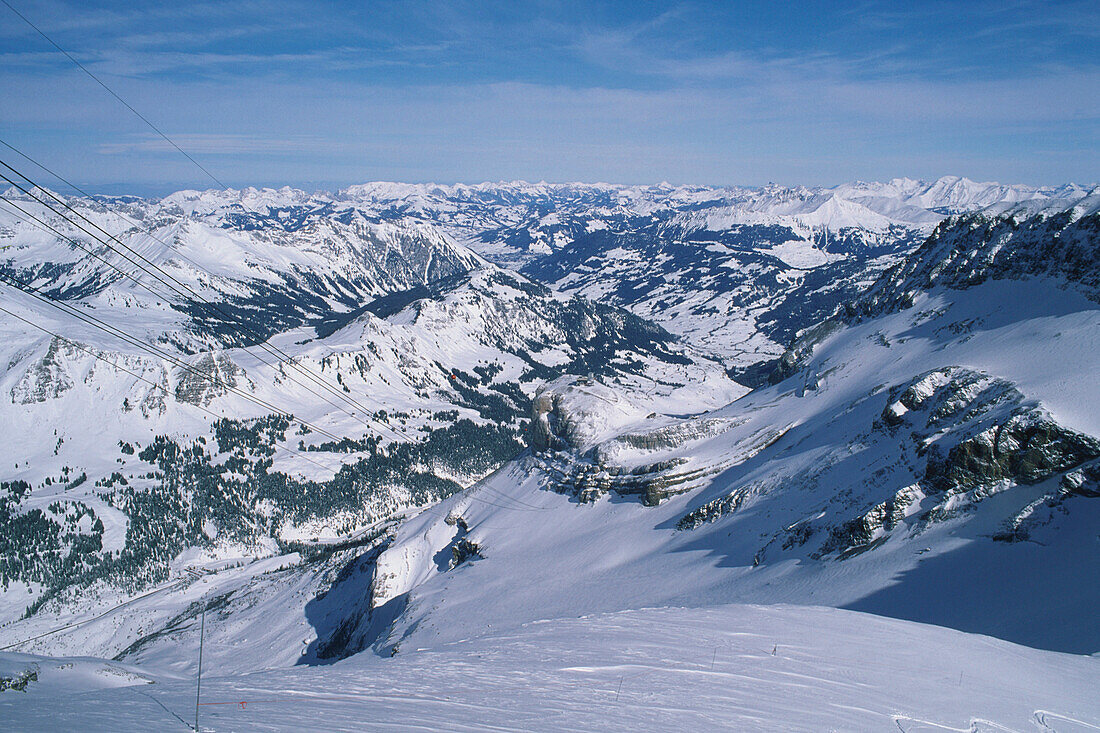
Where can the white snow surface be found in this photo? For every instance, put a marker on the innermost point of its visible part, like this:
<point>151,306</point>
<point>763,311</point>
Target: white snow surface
<point>732,667</point>
<point>546,556</point>
<point>802,255</point>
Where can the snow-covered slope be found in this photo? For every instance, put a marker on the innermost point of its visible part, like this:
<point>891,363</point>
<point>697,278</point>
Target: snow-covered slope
<point>922,445</point>
<point>427,390</point>
<point>926,462</point>
<point>748,668</point>
<point>929,463</point>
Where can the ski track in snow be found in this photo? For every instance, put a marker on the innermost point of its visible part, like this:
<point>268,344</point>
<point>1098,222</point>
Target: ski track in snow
<point>648,669</point>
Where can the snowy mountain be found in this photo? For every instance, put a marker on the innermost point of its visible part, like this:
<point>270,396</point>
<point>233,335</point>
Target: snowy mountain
<point>273,259</point>
<point>741,277</point>
<point>549,495</point>
<point>514,220</point>
<point>735,271</point>
<point>395,404</point>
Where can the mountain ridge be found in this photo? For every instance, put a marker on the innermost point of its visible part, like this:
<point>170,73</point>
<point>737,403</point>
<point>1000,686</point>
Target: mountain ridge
<point>576,439</point>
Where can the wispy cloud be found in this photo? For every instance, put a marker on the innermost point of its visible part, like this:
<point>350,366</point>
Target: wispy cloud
<point>280,90</point>
<point>223,144</point>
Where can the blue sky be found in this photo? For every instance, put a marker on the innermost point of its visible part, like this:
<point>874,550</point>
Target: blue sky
<point>318,95</point>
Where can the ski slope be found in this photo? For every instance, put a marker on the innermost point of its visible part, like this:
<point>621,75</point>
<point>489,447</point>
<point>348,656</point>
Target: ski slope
<point>732,667</point>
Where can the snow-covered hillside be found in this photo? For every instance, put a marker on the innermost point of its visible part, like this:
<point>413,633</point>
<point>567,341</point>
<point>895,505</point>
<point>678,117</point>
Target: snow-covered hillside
<point>433,388</point>
<point>274,260</point>
<point>566,500</point>
<point>929,462</point>
<point>750,668</point>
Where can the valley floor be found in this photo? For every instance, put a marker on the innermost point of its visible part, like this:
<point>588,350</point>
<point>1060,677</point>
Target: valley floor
<point>734,667</point>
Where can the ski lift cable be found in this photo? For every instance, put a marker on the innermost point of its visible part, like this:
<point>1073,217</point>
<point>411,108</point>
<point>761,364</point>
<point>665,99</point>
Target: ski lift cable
<point>121,334</point>
<point>112,92</point>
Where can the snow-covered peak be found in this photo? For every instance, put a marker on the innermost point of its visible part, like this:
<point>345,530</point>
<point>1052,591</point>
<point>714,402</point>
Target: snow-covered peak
<point>211,202</point>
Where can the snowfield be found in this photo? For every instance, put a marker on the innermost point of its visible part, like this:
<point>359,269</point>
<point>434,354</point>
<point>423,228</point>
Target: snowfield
<point>733,667</point>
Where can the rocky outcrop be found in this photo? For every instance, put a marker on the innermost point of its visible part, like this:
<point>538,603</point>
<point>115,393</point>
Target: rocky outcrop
<point>799,353</point>
<point>213,375</point>
<point>544,433</point>
<point>945,401</point>
<point>46,379</point>
<point>576,413</point>
<point>568,417</point>
<point>977,436</point>
<point>464,550</point>
<point>977,431</point>
<point>969,250</point>
<point>717,508</point>
<point>1025,449</point>
<point>653,483</point>
<point>665,438</point>
<point>871,526</point>
<point>1083,482</point>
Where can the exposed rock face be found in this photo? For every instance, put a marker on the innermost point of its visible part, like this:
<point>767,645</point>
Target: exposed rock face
<point>577,412</point>
<point>463,550</point>
<point>568,418</point>
<point>672,436</point>
<point>861,532</point>
<point>47,378</point>
<point>652,483</point>
<point>802,349</point>
<point>978,431</point>
<point>978,436</point>
<point>945,399</point>
<point>211,376</point>
<point>1085,481</point>
<point>943,443</point>
<point>716,509</point>
<point>1026,449</point>
<point>544,432</point>
<point>972,249</point>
